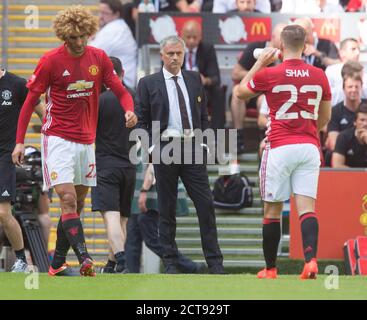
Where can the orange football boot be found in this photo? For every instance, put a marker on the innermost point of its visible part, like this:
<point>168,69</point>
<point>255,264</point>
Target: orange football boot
<point>63,271</point>
<point>267,273</point>
<point>310,270</point>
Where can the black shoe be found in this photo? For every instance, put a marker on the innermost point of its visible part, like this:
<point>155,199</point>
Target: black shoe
<point>171,270</point>
<point>106,269</point>
<point>200,268</point>
<point>121,268</point>
<point>217,269</point>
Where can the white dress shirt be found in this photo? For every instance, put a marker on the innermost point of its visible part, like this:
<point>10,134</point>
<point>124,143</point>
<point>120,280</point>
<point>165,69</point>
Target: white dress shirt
<point>174,127</point>
<point>116,39</point>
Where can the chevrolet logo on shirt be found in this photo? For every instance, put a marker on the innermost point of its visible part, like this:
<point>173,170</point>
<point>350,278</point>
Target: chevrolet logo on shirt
<point>80,85</point>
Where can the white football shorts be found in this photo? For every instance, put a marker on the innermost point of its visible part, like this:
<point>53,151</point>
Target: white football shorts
<point>65,161</point>
<point>288,169</point>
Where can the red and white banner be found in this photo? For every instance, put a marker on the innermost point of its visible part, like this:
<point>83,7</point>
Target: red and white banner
<point>164,26</point>
<point>236,29</point>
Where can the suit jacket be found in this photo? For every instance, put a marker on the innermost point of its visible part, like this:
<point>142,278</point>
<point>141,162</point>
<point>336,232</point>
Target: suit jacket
<point>206,60</point>
<point>152,101</point>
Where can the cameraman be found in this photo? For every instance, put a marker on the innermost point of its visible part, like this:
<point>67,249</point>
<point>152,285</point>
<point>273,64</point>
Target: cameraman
<point>13,94</point>
<point>351,144</point>
<point>32,157</point>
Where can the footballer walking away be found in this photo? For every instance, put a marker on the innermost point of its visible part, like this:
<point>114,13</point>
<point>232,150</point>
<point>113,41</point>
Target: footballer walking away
<point>299,102</point>
<point>72,76</point>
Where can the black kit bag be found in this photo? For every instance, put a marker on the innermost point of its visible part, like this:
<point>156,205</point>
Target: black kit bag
<point>232,192</point>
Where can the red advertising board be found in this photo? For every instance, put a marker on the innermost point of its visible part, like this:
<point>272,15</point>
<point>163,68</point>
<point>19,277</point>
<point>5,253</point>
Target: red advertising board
<point>327,28</point>
<point>340,207</point>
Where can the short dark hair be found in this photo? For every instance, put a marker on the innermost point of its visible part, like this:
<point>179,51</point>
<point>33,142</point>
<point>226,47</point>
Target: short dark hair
<point>293,37</point>
<point>115,6</point>
<point>117,66</point>
<point>354,76</point>
<point>345,41</point>
<point>362,108</point>
<point>350,68</point>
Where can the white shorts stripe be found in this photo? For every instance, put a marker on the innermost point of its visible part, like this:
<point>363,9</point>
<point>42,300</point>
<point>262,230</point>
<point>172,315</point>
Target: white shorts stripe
<point>263,171</point>
<point>46,176</point>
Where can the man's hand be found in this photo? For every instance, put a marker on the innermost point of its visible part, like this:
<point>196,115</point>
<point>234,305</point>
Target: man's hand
<point>205,81</point>
<point>362,133</point>
<point>268,56</point>
<point>142,202</point>
<point>311,50</point>
<point>131,119</point>
<point>18,154</point>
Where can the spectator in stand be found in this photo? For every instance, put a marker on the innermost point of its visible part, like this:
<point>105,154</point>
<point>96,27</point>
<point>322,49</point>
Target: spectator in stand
<point>275,5</point>
<point>356,6</point>
<point>116,39</point>
<point>166,6</point>
<point>318,52</point>
<point>243,6</point>
<point>201,57</point>
<point>351,144</point>
<point>343,114</point>
<point>311,6</point>
<point>349,55</point>
<point>223,6</point>
<point>207,6</point>
<point>245,63</point>
<point>146,6</point>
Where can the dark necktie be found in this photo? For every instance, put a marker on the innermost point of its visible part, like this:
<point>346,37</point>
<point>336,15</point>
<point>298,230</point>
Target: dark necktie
<point>190,59</point>
<point>181,101</point>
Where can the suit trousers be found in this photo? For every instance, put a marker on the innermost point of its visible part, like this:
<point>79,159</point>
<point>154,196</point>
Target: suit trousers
<point>195,179</point>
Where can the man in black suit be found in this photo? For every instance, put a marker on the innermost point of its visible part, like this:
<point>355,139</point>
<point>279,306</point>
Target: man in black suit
<point>177,100</point>
<point>201,57</point>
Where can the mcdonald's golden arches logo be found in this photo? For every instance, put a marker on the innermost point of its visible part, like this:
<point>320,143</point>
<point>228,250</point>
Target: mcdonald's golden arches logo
<point>328,28</point>
<point>258,28</point>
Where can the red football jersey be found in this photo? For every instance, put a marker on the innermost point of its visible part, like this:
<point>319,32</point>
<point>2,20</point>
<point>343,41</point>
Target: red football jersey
<point>293,91</point>
<point>72,86</point>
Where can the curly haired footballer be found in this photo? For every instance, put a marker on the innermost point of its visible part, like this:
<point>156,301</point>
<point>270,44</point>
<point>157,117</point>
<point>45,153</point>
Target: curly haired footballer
<point>75,19</point>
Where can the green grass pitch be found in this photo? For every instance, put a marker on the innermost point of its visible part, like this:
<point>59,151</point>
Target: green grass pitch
<point>180,287</point>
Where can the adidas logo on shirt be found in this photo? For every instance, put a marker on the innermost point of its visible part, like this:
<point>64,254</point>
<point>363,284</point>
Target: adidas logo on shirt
<point>343,121</point>
<point>66,73</point>
<point>5,193</point>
